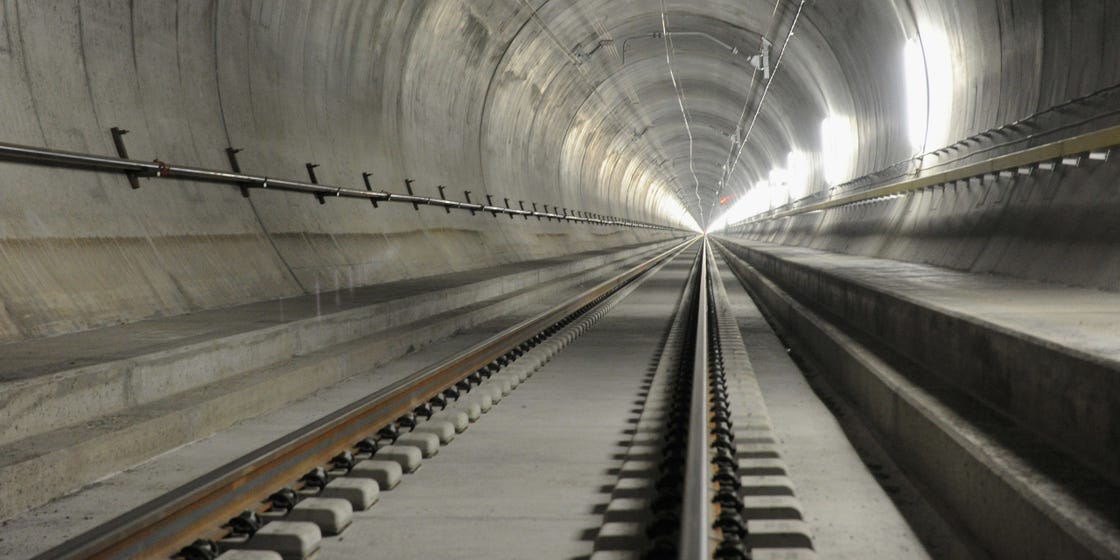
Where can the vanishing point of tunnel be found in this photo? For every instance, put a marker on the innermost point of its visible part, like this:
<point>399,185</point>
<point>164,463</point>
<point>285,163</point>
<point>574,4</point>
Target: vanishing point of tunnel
<point>574,279</point>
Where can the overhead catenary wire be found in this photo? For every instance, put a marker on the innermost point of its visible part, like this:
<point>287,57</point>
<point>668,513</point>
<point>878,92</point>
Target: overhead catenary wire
<point>746,106</point>
<point>679,90</point>
<point>761,101</point>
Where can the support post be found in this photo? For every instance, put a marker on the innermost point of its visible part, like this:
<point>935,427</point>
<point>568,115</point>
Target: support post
<point>122,152</point>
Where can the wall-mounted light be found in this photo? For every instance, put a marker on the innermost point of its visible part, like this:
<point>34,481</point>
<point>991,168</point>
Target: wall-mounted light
<point>798,174</point>
<point>838,143</point>
<point>917,93</point>
<point>929,89</point>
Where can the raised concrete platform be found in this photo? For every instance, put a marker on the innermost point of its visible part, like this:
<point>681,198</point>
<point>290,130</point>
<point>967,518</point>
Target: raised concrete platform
<point>854,511</point>
<point>804,488</point>
<point>1017,496</point>
<point>1046,355</point>
<point>76,407</point>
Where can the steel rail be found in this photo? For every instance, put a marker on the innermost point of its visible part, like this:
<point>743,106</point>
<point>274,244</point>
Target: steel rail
<point>1106,138</point>
<point>696,506</point>
<point>159,528</point>
<point>35,155</point>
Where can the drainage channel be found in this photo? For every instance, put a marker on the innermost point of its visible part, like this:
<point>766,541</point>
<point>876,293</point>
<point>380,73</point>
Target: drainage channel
<point>281,499</point>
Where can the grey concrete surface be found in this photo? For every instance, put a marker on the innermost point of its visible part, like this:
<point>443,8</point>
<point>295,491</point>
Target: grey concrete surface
<point>63,380</point>
<point>578,105</point>
<point>560,103</point>
<point>529,478</point>
<point>1046,355</point>
<point>78,425</point>
<point>280,82</point>
<point>1017,497</point>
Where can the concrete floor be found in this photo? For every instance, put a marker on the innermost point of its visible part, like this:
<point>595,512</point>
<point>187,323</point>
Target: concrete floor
<point>1044,355</point>
<point>530,478</point>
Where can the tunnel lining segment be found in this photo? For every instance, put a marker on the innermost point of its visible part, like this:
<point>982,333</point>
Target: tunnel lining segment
<point>161,170</point>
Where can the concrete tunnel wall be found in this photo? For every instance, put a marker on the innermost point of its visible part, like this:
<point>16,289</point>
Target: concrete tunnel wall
<point>565,103</point>
<point>401,89</point>
<point>1012,60</point>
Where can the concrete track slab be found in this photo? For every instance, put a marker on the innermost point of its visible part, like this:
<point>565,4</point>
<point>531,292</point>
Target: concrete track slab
<point>531,478</point>
<point>36,357</point>
<point>1042,354</point>
<point>992,481</point>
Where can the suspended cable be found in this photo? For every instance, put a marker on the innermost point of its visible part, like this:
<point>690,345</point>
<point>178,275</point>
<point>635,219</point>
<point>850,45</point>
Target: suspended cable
<point>679,90</point>
<point>765,90</point>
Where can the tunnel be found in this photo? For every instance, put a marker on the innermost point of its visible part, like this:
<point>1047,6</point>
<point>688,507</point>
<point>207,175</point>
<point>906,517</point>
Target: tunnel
<point>758,279</point>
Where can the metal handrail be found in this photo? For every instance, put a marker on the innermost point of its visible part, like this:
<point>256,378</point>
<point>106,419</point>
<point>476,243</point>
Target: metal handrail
<point>696,507</point>
<point>35,155</point>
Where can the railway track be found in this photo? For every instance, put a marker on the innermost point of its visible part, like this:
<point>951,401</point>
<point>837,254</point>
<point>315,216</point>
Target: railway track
<point>706,490</point>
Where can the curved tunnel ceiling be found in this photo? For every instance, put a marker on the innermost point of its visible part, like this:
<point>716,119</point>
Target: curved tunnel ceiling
<point>619,53</point>
<point>568,102</point>
<point>565,103</point>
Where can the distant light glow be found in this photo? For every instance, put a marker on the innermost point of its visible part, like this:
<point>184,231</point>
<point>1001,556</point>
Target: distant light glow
<point>929,89</point>
<point>672,208</point>
<point>756,201</point>
<point>799,172</point>
<point>917,93</point>
<point>781,185</point>
<point>680,214</point>
<point>838,143</point>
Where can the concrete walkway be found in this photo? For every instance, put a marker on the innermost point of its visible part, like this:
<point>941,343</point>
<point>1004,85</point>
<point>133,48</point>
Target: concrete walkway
<point>31,358</point>
<point>846,504</point>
